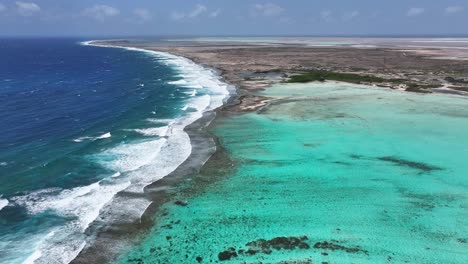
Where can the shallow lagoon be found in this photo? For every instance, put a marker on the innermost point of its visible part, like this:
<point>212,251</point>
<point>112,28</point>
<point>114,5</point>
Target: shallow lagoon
<point>379,175</point>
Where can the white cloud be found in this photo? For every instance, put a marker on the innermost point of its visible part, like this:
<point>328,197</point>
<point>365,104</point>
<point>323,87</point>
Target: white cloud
<point>351,15</point>
<point>2,8</point>
<point>415,11</point>
<point>198,10</point>
<point>27,8</point>
<point>142,14</point>
<point>268,9</point>
<point>101,12</point>
<point>326,15</point>
<point>454,9</point>
<point>215,13</point>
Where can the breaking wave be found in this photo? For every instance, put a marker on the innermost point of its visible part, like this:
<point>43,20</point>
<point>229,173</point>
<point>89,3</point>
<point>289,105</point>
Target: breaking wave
<point>134,165</point>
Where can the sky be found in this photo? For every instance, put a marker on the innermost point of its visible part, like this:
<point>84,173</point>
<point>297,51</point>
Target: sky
<point>232,17</point>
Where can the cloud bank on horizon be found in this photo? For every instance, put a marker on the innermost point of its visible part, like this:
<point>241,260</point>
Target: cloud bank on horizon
<point>241,17</point>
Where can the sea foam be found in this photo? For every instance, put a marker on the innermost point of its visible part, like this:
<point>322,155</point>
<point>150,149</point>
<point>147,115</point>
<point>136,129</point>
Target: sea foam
<point>3,203</point>
<point>82,204</point>
<point>153,131</point>
<point>103,136</point>
<point>138,163</point>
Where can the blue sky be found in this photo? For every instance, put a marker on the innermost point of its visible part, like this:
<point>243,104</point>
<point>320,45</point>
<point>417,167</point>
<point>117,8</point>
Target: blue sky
<point>233,17</point>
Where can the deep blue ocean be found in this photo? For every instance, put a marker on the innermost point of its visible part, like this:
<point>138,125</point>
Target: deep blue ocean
<point>80,123</point>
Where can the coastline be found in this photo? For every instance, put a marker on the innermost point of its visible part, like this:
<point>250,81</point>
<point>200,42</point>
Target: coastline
<point>300,189</point>
<point>111,240</point>
<point>163,191</point>
<point>253,67</point>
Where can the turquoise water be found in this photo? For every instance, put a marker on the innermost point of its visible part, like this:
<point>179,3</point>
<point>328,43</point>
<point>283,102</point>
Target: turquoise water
<point>338,173</point>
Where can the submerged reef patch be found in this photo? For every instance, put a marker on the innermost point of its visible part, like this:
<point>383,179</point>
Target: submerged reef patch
<point>278,243</point>
<point>333,245</point>
<point>227,254</point>
<point>263,246</point>
<point>411,164</point>
<point>424,167</point>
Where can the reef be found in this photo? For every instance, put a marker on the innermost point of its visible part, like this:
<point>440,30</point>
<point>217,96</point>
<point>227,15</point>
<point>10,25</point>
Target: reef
<point>411,164</point>
<point>181,203</point>
<point>335,246</point>
<point>227,254</point>
<point>263,246</point>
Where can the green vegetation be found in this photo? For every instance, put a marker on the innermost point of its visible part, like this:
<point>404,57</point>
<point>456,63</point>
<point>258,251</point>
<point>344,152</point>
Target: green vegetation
<point>322,76</point>
<point>420,88</point>
<point>456,81</point>
<point>333,76</point>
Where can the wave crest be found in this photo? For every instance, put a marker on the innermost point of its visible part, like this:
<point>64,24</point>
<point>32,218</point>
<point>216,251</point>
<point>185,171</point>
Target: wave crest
<point>103,136</point>
<point>3,203</point>
<point>138,163</point>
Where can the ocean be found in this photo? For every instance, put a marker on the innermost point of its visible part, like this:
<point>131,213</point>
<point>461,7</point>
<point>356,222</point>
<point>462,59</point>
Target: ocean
<point>80,124</point>
<point>328,173</point>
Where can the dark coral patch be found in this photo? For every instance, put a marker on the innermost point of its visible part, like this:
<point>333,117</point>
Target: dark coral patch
<point>335,246</point>
<point>263,246</point>
<point>227,254</point>
<point>278,243</point>
<point>181,203</point>
<point>136,260</point>
<point>410,164</point>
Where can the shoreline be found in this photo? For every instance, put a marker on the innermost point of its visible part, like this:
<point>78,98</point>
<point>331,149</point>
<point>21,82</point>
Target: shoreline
<point>250,68</point>
<point>160,191</point>
<point>251,202</point>
<point>108,244</point>
<point>111,240</point>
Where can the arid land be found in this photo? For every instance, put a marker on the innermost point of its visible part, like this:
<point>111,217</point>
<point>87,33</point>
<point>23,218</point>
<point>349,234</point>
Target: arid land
<point>251,67</point>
